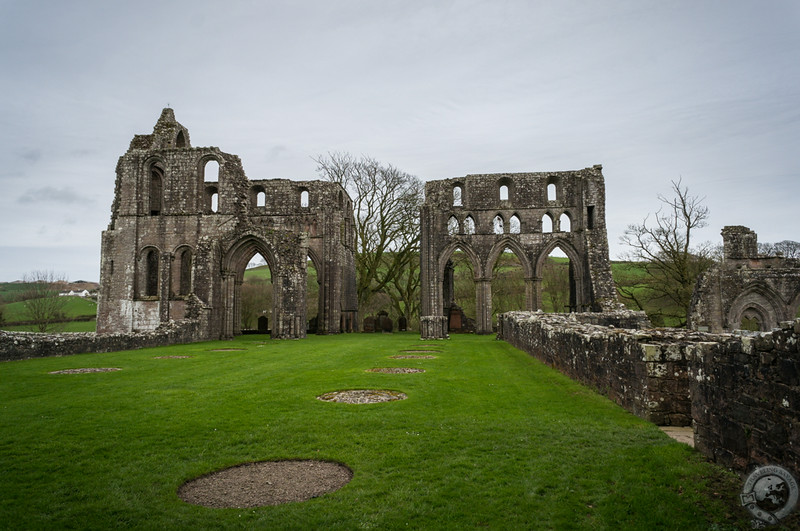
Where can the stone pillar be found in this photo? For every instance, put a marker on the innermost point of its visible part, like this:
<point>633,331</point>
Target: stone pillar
<point>165,266</point>
<point>537,293</point>
<point>483,306</point>
<point>228,296</point>
<point>530,294</point>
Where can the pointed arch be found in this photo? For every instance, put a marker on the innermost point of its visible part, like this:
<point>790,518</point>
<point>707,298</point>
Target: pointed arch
<point>498,224</point>
<point>453,226</point>
<point>148,278</point>
<point>547,223</point>
<point>239,253</point>
<point>182,270</point>
<point>469,225</point>
<point>761,299</point>
<point>448,251</point>
<point>565,246</point>
<point>565,222</point>
<point>508,243</point>
<point>514,225</point>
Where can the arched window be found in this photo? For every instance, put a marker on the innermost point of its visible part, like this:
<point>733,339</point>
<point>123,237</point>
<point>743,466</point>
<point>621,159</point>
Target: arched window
<point>156,191</point>
<point>457,195</point>
<point>452,226</point>
<point>180,140</point>
<point>498,224</point>
<point>151,273</point>
<point>547,223</point>
<point>564,223</point>
<point>551,192</point>
<point>212,199</point>
<point>211,171</point>
<point>514,225</point>
<point>261,199</point>
<point>304,199</point>
<point>469,225</point>
<point>185,281</point>
<point>503,192</point>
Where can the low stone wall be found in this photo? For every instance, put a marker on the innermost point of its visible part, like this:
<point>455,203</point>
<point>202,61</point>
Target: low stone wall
<point>24,345</point>
<point>746,399</point>
<point>740,393</point>
<point>644,371</point>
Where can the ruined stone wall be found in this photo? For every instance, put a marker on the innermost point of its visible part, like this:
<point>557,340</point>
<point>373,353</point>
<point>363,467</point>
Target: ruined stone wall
<point>746,399</point>
<point>644,371</point>
<point>741,393</point>
<point>25,345</point>
<point>764,290</point>
<point>538,212</point>
<point>179,230</point>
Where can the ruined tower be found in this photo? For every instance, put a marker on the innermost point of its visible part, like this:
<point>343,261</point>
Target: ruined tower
<point>181,236</point>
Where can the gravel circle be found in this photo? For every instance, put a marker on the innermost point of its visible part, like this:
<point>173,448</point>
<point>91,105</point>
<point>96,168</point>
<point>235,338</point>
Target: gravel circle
<point>396,370</point>
<point>362,396</point>
<point>172,357</point>
<point>265,483</point>
<point>87,370</point>
<point>420,351</point>
<point>412,357</point>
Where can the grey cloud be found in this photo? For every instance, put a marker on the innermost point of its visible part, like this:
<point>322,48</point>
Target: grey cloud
<point>50,194</point>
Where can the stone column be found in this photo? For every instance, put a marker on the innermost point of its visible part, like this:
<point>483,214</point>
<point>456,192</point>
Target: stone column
<point>164,291</point>
<point>228,296</point>
<point>483,306</point>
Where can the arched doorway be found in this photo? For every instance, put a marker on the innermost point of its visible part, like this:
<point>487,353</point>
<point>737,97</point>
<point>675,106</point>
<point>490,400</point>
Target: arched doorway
<point>256,296</point>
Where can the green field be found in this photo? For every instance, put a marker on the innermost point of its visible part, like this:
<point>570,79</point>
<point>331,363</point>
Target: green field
<point>488,437</point>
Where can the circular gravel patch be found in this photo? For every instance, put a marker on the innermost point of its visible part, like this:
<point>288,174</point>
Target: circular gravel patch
<point>362,396</point>
<point>265,483</point>
<point>412,357</point>
<point>87,370</point>
<point>396,370</point>
<point>172,357</point>
<point>420,351</point>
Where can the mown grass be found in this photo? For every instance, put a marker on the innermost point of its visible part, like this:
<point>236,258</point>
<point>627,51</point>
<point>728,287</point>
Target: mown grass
<point>488,437</point>
<point>74,307</point>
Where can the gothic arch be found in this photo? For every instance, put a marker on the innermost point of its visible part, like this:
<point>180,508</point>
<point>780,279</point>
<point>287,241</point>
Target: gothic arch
<point>447,253</point>
<point>182,271</point>
<point>507,242</point>
<point>762,299</point>
<point>580,295</point>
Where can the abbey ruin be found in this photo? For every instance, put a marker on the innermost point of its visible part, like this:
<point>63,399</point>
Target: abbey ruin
<point>179,242</point>
<point>529,214</point>
<point>180,238</point>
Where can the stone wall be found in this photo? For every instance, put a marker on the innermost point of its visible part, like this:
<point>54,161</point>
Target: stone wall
<point>740,393</point>
<point>746,399</point>
<point>530,214</point>
<point>25,345</point>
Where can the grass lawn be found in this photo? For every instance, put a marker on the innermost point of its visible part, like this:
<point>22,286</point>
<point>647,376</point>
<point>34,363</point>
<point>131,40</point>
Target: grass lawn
<point>488,437</point>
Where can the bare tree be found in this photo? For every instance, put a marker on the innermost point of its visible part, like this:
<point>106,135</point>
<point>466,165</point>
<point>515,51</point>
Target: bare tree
<point>386,205</point>
<point>43,305</point>
<point>663,246</point>
<point>785,248</point>
<point>555,288</point>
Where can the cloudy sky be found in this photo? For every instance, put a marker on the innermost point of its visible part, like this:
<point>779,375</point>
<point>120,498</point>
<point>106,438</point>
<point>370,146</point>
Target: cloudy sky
<point>704,91</point>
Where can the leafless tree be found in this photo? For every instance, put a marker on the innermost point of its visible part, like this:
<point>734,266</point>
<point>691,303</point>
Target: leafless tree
<point>785,248</point>
<point>386,205</point>
<point>43,305</point>
<point>664,247</point>
<point>555,288</point>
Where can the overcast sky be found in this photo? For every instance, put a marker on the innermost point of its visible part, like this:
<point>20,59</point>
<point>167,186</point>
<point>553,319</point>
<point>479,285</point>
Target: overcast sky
<point>706,91</point>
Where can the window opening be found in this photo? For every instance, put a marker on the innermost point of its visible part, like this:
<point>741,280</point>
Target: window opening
<point>551,192</point>
<point>469,225</point>
<point>590,217</point>
<point>514,225</point>
<point>261,199</point>
<point>498,224</point>
<point>547,223</point>
<point>156,192</point>
<point>504,193</point>
<point>211,171</point>
<point>304,199</point>
<point>214,202</point>
<point>564,223</point>
<point>185,283</point>
<point>151,273</point>
<point>457,195</point>
<point>452,226</point>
